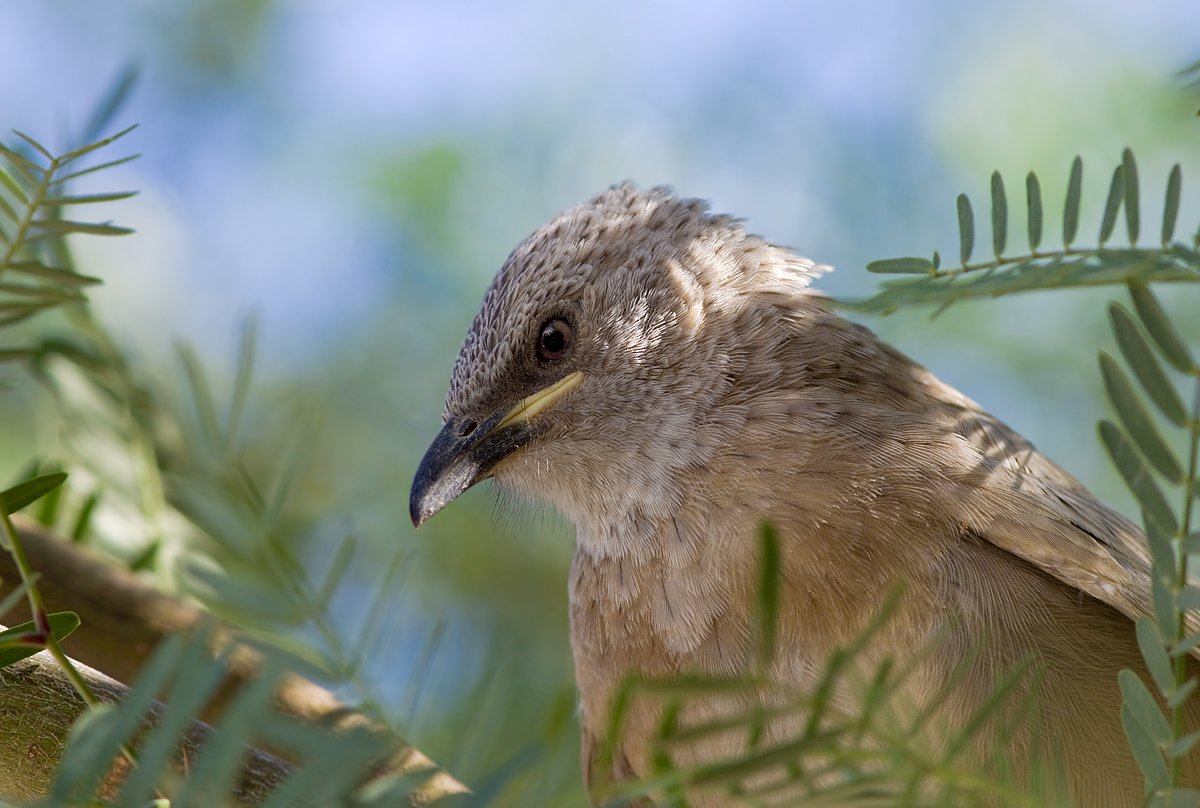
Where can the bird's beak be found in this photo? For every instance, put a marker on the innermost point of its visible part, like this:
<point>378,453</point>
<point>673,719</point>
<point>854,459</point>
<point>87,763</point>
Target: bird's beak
<point>462,455</point>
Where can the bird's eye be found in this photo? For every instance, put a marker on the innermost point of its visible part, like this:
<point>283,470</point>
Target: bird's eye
<point>555,340</point>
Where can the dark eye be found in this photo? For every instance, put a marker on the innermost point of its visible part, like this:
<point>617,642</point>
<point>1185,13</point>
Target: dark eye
<point>555,340</point>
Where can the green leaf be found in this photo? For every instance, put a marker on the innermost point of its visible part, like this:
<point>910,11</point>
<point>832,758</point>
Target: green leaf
<point>1154,651</point>
<point>91,147</point>
<point>999,214</point>
<point>114,98</point>
<point>8,211</point>
<point>87,199</point>
<point>1071,208</point>
<point>197,678</point>
<point>1125,457</point>
<point>22,494</point>
<point>1142,359</point>
<point>1184,745</point>
<point>1171,208</point>
<point>1112,204</point>
<point>1179,695</point>
<point>94,169</point>
<point>1162,594</point>
<point>14,597</point>
<point>918,266</point>
<point>768,592</point>
<point>1159,326</point>
<point>1143,707</point>
<point>13,646</point>
<point>64,226</point>
<point>37,146</point>
<point>13,188</point>
<point>1186,645</point>
<point>966,229</point>
<point>66,277</point>
<point>1188,598</point>
<point>1033,202</point>
<point>1137,421</point>
<point>31,172</point>
<point>1191,543</point>
<point>1132,208</point>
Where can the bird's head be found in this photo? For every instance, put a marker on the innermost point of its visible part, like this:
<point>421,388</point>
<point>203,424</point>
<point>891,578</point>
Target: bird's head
<point>595,353</point>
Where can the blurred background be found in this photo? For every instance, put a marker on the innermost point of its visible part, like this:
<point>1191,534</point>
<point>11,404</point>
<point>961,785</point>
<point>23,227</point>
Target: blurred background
<point>355,172</point>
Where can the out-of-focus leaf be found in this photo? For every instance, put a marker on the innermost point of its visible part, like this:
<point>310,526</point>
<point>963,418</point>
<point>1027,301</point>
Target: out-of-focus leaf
<point>66,277</point>
<point>31,172</point>
<point>87,199</point>
<point>91,147</point>
<point>64,227</point>
<point>1182,746</point>
<point>13,188</point>
<point>260,605</point>
<point>1154,650</point>
<point>38,147</point>
<point>114,98</point>
<point>1188,598</point>
<point>101,167</point>
<point>23,494</point>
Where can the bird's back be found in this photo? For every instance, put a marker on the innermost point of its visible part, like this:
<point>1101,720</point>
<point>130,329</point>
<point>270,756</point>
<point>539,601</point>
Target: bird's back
<point>875,474</point>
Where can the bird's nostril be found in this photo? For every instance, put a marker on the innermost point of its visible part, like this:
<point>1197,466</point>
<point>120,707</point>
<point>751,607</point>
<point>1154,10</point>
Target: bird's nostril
<point>467,427</point>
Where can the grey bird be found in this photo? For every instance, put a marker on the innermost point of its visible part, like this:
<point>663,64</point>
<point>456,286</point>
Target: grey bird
<point>668,381</point>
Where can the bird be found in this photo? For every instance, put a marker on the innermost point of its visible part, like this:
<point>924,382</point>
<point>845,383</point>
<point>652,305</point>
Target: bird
<point>670,382</point>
